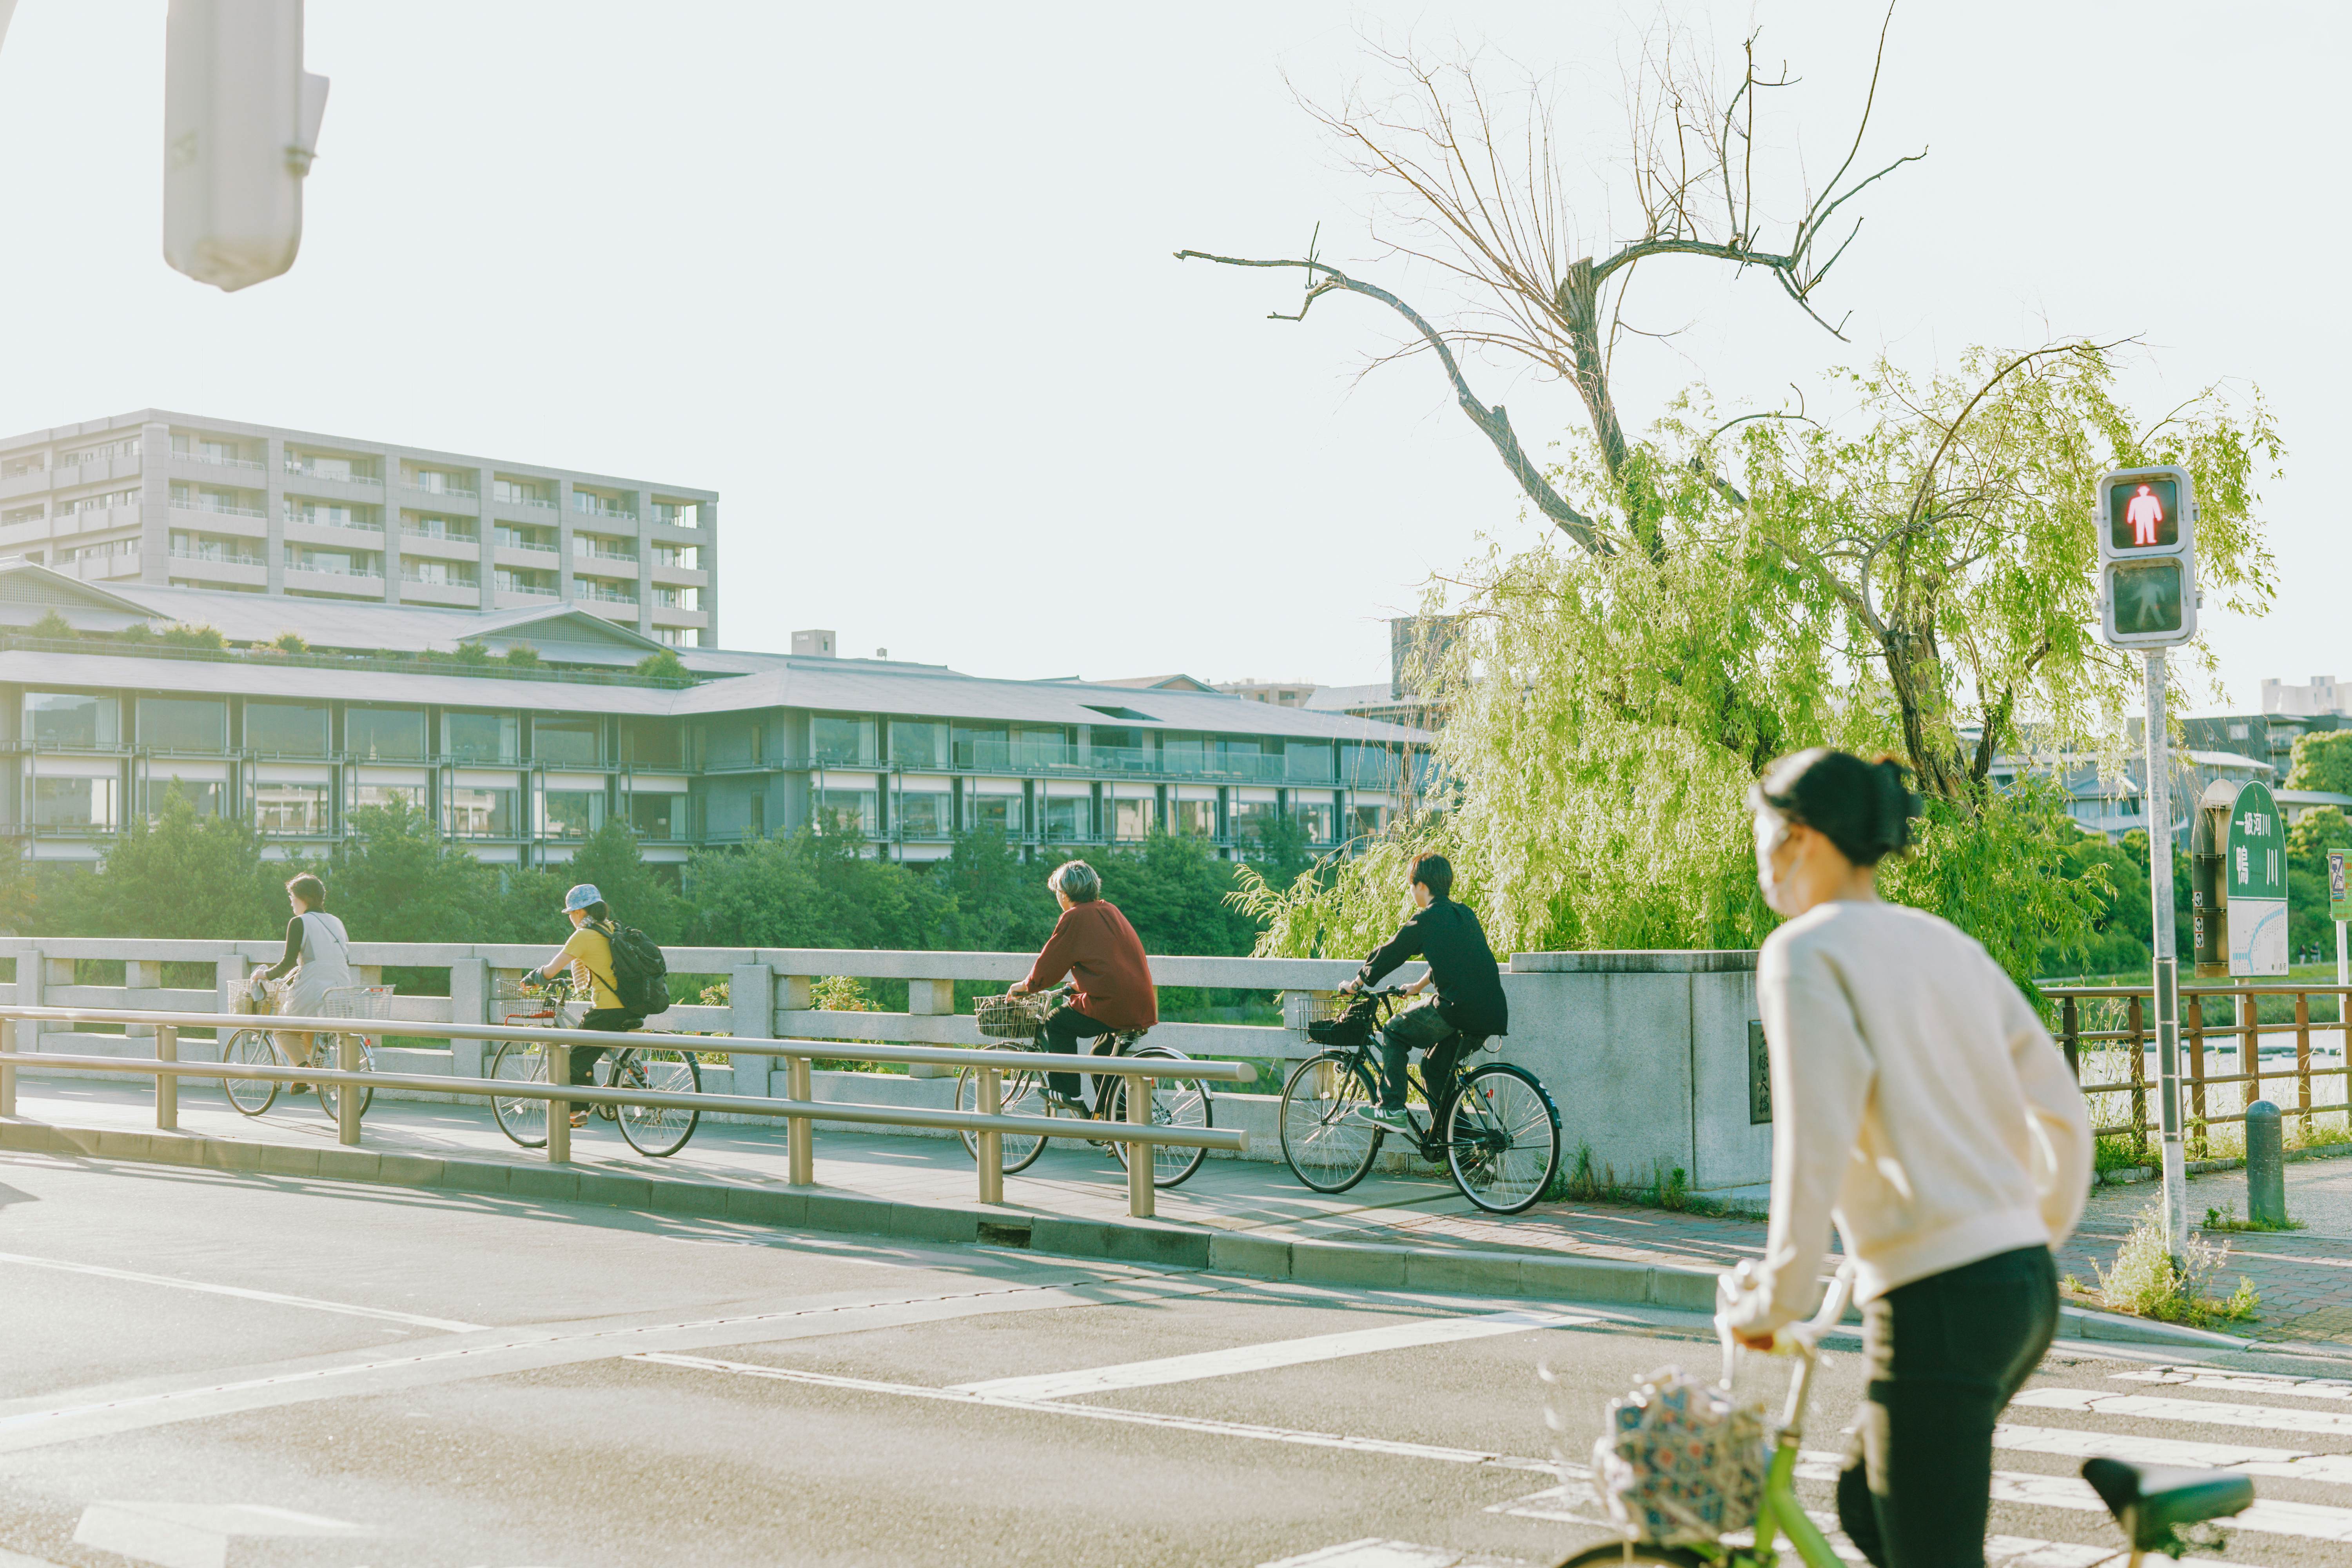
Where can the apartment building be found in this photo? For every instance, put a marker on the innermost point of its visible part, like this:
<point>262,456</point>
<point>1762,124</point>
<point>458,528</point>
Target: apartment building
<point>164,500</point>
<point>520,730</point>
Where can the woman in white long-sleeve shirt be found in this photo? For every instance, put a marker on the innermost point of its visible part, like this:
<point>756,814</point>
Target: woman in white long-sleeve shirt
<point>1919,1103</point>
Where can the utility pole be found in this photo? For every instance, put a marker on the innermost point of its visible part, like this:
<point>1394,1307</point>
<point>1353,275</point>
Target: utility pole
<point>2145,521</point>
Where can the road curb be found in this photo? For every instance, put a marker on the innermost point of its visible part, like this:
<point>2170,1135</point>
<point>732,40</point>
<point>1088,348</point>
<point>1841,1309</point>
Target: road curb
<point>1599,1281</point>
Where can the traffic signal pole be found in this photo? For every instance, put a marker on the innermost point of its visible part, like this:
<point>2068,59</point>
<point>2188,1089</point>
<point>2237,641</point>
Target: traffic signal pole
<point>2167,964</point>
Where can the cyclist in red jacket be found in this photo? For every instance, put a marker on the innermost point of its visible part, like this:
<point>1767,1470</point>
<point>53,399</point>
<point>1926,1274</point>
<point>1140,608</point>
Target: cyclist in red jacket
<point>1112,987</point>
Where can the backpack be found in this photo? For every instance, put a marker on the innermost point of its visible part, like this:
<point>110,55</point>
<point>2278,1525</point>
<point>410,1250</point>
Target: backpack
<point>640,972</point>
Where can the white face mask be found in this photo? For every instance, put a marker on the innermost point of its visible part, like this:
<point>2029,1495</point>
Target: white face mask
<point>1771,832</point>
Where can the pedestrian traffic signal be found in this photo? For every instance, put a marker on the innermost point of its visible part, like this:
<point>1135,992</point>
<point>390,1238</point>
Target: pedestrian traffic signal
<point>2147,521</point>
<point>240,127</point>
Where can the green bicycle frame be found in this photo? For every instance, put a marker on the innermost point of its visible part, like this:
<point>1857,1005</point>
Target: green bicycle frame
<point>1782,1514</point>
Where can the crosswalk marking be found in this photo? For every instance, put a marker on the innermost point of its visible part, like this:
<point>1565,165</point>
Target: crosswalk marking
<point>2208,1413</point>
<point>2293,1464</point>
<point>274,1297</point>
<point>1275,1353</point>
<point>2244,1383</point>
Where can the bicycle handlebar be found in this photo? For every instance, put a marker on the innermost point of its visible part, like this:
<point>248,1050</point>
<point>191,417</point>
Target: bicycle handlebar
<point>1804,1339</point>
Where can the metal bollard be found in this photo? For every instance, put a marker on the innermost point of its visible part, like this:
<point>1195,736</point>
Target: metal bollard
<point>347,1096</point>
<point>801,1131</point>
<point>559,1111</point>
<point>991,1144</point>
<point>2266,1165</point>
<point>10,1035</point>
<point>1140,1193</point>
<point>167,1085</point>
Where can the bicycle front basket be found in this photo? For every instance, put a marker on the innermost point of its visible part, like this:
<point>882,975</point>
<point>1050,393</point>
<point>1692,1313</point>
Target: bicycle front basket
<point>1009,1017</point>
<point>1341,1020</point>
<point>359,1002</point>
<point>1679,1464</point>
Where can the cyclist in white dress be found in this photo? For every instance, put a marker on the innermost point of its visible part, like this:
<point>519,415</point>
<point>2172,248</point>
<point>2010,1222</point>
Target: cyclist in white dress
<point>318,957</point>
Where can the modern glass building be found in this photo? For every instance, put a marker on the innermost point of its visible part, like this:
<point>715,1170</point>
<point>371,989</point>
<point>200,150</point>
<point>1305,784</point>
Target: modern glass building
<point>165,500</point>
<point>519,730</point>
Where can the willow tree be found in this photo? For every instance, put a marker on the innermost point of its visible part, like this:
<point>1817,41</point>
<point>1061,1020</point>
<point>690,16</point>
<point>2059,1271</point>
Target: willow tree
<point>1912,573</point>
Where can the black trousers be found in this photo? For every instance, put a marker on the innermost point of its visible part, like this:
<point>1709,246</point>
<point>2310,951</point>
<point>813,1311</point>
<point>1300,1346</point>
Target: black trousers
<point>1945,1356</point>
<point>614,1020</point>
<point>1422,1029</point>
<point>1064,1027</point>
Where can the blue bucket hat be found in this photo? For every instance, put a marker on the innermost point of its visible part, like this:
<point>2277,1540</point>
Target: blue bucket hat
<point>581,897</point>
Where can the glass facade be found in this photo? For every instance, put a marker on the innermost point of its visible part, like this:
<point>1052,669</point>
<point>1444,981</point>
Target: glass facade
<point>833,738</point>
<point>1069,819</point>
<point>1133,818</point>
<point>568,742</point>
<point>476,813</point>
<point>384,734</point>
<point>997,812</point>
<point>205,795</point>
<point>75,802</point>
<point>1315,818</point>
<point>657,815</point>
<point>846,810</point>
<point>184,724</point>
<point>291,809</point>
<point>479,737</point>
<point>287,728</point>
<point>378,794</point>
<point>927,814</point>
<point>570,813</point>
<point>1196,818</point>
<point>918,742</point>
<point>1250,817</point>
<point>70,720</point>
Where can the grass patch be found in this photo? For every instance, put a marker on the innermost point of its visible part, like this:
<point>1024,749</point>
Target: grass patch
<point>2226,1218</point>
<point>1668,1186</point>
<point>2146,1282</point>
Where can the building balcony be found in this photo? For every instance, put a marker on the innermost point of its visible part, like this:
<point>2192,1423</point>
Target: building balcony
<point>517,598</point>
<point>364,584</point>
<point>207,460</point>
<point>220,557</point>
<point>318,525</point>
<point>207,507</point>
<point>585,506</point>
<point>459,492</point>
<point>590,590</point>
<point>418,591</point>
<point>439,547</point>
<point>317,475</point>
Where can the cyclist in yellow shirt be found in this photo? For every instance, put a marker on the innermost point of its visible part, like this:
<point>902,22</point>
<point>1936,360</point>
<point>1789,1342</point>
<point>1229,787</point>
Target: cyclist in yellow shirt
<point>588,956</point>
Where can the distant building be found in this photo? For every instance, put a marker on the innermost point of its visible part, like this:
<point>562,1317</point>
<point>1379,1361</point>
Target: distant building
<point>1281,693</point>
<point>2324,695</point>
<point>158,499</point>
<point>2240,749</point>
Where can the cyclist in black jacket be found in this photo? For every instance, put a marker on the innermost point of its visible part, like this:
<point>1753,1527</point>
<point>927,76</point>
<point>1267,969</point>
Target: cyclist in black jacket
<point>1469,1006</point>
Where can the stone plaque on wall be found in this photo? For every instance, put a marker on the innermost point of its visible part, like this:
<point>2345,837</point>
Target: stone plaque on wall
<point>1760,1074</point>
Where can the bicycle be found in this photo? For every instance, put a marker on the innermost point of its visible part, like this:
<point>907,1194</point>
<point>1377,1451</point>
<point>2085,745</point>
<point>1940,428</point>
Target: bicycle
<point>654,1132</point>
<point>2149,1502</point>
<point>1021,1092</point>
<point>1500,1131</point>
<point>257,1047</point>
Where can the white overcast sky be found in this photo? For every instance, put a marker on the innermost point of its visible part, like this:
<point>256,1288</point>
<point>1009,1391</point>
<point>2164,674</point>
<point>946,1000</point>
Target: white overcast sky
<point>897,280</point>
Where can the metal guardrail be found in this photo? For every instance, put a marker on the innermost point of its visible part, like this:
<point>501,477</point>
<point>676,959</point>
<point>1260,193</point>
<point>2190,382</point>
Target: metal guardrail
<point>800,1108</point>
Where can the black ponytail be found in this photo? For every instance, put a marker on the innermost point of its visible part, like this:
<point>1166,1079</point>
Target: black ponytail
<point>1863,808</point>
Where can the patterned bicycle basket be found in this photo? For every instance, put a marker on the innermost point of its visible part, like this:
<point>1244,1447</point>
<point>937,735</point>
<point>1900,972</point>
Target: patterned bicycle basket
<point>359,1002</point>
<point>1341,1020</point>
<point>1678,1464</point>
<point>1009,1017</point>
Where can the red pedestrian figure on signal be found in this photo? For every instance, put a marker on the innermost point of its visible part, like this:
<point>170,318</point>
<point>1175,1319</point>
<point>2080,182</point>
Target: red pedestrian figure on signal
<point>2146,514</point>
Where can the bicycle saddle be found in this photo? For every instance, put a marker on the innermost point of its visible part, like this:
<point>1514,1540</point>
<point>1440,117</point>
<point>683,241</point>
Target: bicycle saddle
<point>2150,1500</point>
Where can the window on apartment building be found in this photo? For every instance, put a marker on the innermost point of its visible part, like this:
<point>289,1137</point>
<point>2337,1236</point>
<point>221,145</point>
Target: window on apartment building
<point>1250,817</point>
<point>918,742</point>
<point>479,737</point>
<point>207,448</point>
<point>677,513</point>
<point>650,742</point>
<point>570,813</point>
<point>568,742</point>
<point>32,463</point>
<point>481,813</point>
<point>183,723</point>
<point>1314,818</point>
<point>425,525</point>
<point>685,557</point>
<point>1182,752</point>
<point>105,452</point>
<point>1036,748</point>
<point>439,574</point>
<point>603,547</point>
<point>513,536</point>
<point>595,503</point>
<point>678,636</point>
<point>16,515</point>
<point>440,481</point>
<point>845,810</point>
<point>523,492</point>
<point>1196,818</point>
<point>1367,820</point>
<point>1069,819</point>
<point>511,580</point>
<point>978,746</point>
<point>75,802</point>
<point>657,815</point>
<point>72,719</point>
<point>927,814</point>
<point>842,738</point>
<point>384,734</point>
<point>1308,762</point>
<point>1133,818</point>
<point>383,795</point>
<point>204,794</point>
<point>291,809</point>
<point>321,466</point>
<point>1001,813</point>
<point>286,729</point>
<point>677,598</point>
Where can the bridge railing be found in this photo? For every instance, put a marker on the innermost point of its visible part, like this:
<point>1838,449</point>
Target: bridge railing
<point>2108,1032</point>
<point>799,1109</point>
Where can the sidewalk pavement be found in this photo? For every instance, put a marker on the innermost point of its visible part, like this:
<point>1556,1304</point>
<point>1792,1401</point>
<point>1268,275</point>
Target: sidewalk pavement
<point>1664,1258</point>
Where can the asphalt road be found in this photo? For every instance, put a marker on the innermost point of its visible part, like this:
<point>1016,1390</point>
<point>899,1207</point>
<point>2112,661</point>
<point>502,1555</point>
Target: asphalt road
<point>202,1368</point>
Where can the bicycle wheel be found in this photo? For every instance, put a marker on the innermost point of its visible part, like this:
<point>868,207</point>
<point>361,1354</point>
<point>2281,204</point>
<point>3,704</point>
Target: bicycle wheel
<point>1018,1094</point>
<point>1325,1143</point>
<point>1638,1556</point>
<point>251,1048</point>
<point>652,1129</point>
<point>1502,1139</point>
<point>1175,1102</point>
<point>325,1052</point>
<point>524,1121</point>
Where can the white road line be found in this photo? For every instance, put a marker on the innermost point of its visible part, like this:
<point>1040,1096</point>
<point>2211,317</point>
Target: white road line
<point>447,1325</point>
<point>22,1426</point>
<point>2074,1442</point>
<point>1275,1353</point>
<point>1100,1413</point>
<point>1374,1553</point>
<point>2244,1383</point>
<point>2263,1417</point>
